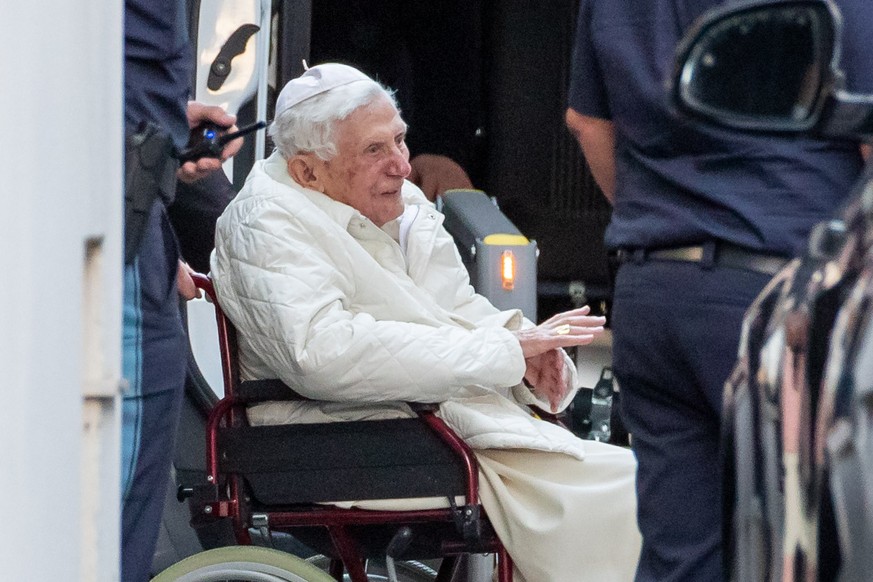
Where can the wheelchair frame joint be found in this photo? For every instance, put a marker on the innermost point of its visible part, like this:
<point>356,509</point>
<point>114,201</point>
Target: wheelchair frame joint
<point>467,520</point>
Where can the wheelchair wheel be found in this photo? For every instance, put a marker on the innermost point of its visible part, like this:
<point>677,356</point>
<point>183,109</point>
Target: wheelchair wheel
<point>242,564</point>
<point>410,571</point>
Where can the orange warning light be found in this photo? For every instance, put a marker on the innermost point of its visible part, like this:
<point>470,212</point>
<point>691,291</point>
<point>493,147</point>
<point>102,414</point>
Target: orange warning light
<point>507,270</point>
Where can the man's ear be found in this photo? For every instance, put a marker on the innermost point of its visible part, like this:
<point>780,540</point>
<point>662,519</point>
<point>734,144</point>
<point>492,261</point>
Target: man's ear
<point>302,169</point>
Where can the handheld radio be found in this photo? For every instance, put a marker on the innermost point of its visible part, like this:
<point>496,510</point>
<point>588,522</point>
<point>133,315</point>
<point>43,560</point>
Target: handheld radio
<point>207,140</point>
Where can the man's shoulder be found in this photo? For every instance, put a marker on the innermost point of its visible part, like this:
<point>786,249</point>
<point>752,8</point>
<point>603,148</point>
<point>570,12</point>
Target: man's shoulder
<point>262,191</point>
<point>263,205</point>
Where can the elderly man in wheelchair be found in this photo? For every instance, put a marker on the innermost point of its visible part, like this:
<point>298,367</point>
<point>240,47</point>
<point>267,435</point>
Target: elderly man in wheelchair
<point>343,284</point>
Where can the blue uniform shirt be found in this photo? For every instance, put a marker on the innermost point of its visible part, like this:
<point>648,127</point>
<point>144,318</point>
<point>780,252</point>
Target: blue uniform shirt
<point>683,183</point>
<point>158,64</point>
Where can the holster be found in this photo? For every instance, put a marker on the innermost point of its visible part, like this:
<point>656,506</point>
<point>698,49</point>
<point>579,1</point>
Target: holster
<point>149,175</point>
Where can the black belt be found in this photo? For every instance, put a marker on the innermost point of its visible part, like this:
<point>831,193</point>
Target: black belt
<point>712,254</point>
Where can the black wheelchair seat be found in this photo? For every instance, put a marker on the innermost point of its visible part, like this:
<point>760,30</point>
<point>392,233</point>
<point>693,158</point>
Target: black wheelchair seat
<point>312,463</point>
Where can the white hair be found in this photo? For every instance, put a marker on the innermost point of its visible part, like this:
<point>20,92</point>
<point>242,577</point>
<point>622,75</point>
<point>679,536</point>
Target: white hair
<point>309,125</point>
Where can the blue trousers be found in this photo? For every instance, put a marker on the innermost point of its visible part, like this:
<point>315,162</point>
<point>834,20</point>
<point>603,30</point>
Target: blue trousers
<point>676,330</point>
<point>155,356</point>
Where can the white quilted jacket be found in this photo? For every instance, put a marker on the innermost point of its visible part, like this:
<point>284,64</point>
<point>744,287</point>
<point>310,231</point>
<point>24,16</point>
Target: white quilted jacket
<point>330,304</point>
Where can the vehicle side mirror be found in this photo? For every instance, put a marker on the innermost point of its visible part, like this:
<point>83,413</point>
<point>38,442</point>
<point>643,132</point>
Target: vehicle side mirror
<point>767,66</point>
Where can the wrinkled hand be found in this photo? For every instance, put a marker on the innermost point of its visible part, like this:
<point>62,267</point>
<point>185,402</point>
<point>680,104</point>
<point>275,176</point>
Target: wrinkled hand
<point>185,283</point>
<point>435,174</point>
<point>199,113</point>
<point>564,330</point>
<point>547,377</point>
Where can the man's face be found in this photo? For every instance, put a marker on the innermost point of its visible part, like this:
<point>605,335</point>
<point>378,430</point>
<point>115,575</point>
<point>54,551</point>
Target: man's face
<point>371,162</point>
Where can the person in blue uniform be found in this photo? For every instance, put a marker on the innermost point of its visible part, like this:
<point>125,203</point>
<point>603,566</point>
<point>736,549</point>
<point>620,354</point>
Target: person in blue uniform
<point>157,71</point>
<point>702,218</point>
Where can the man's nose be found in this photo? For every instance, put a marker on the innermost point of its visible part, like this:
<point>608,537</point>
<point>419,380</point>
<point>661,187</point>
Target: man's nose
<point>399,165</point>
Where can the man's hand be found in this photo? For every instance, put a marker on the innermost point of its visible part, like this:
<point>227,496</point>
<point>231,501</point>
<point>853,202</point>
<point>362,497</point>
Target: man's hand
<point>564,330</point>
<point>546,375</point>
<point>185,283</point>
<point>435,174</point>
<point>199,113</point>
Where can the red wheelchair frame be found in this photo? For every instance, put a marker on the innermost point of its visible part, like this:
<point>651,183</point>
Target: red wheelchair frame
<point>228,493</point>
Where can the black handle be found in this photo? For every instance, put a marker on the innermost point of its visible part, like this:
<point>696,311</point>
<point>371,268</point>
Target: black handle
<point>232,48</point>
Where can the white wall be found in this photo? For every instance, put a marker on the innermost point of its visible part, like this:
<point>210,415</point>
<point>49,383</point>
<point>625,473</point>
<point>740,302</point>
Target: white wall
<point>60,291</point>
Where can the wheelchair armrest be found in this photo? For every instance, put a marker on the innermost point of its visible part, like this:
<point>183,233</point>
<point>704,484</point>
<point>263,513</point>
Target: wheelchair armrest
<point>427,413</point>
<point>251,391</point>
<point>419,407</point>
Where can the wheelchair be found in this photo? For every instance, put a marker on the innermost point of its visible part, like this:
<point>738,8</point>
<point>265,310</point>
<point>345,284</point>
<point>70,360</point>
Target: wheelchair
<point>288,478</point>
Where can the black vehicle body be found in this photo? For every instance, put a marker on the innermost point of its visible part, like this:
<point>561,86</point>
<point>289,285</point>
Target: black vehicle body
<point>798,409</point>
